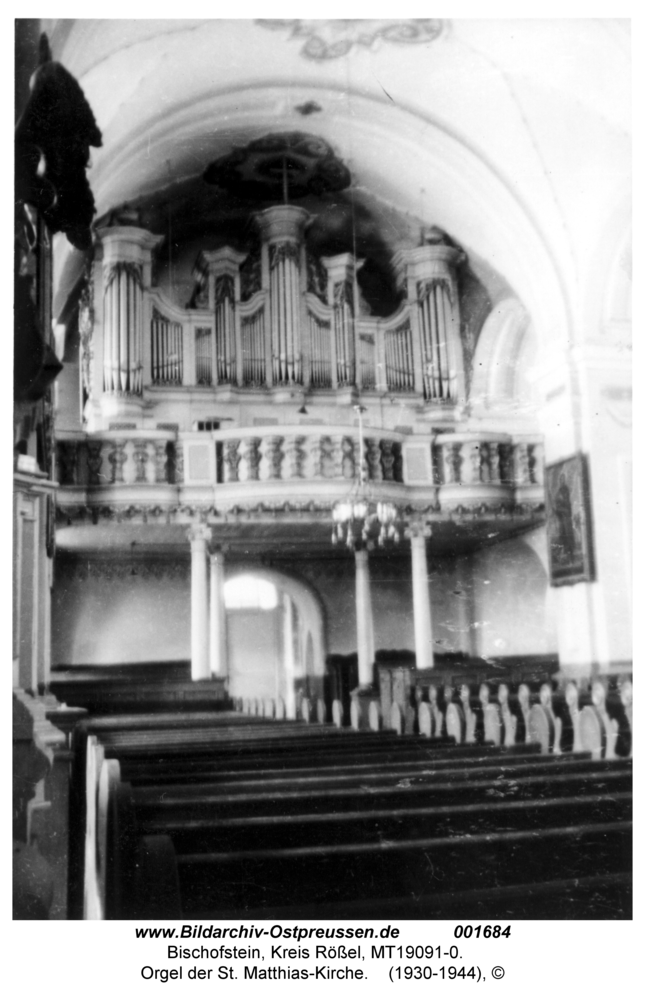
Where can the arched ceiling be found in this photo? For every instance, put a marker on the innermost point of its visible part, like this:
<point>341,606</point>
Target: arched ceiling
<point>513,136</point>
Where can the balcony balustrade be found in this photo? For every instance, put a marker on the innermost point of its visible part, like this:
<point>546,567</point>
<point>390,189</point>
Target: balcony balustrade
<point>447,472</point>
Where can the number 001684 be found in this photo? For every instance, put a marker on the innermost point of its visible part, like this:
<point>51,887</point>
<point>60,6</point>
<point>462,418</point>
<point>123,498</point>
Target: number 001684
<point>482,931</point>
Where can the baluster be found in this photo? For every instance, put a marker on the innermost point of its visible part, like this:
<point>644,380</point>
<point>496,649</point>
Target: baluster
<point>536,463</point>
<point>316,454</point>
<point>231,460</point>
<point>94,451</point>
<point>161,461</point>
<point>521,470</point>
<point>348,459</point>
<point>494,463</point>
<point>373,457</point>
<point>387,459</point>
<point>140,461</point>
<point>179,462</point>
<point>452,462</point>
<point>295,453</point>
<point>337,455</point>
<point>116,459</point>
<point>252,457</point>
<point>273,456</point>
<point>476,457</point>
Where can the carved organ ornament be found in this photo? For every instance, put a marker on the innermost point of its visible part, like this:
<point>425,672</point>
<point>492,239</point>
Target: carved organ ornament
<point>298,324</point>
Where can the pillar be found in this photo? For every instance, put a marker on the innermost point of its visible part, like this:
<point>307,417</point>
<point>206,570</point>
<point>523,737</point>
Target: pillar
<point>586,410</point>
<point>421,600</point>
<point>199,536</point>
<point>218,651</point>
<point>364,619</point>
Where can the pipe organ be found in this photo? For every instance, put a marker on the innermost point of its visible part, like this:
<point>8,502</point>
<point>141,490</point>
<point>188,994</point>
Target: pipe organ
<point>297,324</point>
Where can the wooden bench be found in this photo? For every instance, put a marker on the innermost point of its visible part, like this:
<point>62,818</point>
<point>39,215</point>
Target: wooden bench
<point>208,830</point>
<point>234,881</point>
<point>188,802</point>
<point>339,818</point>
<point>412,760</point>
<point>505,707</point>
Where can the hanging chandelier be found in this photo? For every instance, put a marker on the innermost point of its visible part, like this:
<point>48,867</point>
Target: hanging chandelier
<point>360,521</point>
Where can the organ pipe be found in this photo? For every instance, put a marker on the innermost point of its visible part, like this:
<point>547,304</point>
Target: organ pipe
<point>284,264</point>
<point>436,322</point>
<point>225,328</point>
<point>122,339</point>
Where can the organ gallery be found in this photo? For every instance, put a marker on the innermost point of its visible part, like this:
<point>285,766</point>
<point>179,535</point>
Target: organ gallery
<point>322,475</point>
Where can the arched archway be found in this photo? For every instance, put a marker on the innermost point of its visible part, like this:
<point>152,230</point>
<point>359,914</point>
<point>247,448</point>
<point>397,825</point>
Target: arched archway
<point>505,350</point>
<point>275,650</point>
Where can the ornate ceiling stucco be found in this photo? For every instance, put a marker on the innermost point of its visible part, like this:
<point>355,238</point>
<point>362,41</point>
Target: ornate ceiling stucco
<point>333,38</point>
<point>302,164</point>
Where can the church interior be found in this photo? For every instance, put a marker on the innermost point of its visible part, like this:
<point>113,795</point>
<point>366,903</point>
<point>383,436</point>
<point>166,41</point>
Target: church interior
<point>322,468</point>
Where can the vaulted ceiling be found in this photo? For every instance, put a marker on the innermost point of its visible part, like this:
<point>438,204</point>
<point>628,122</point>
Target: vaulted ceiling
<point>513,136</point>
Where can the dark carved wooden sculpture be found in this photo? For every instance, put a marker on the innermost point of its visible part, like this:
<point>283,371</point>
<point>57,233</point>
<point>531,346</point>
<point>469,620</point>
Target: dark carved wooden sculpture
<point>52,194</point>
<point>53,139</point>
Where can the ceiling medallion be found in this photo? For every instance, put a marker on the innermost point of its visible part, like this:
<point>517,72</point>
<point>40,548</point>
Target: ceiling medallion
<point>293,162</point>
<point>331,39</point>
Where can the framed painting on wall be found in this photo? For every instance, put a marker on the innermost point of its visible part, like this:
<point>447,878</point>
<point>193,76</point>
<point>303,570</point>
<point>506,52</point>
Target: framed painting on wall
<point>568,522</point>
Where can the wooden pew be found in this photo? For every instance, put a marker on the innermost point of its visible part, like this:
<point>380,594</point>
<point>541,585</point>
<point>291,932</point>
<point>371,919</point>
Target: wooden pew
<point>295,790</point>
<point>137,736</point>
<point>588,897</point>
<point>368,824</point>
<point>217,883</point>
<point>566,816</point>
<point>194,801</point>
<point>510,707</point>
<point>412,760</point>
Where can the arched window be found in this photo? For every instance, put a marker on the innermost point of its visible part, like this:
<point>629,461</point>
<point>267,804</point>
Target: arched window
<point>250,592</point>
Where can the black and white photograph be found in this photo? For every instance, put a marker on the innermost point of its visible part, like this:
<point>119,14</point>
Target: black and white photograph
<point>322,517</point>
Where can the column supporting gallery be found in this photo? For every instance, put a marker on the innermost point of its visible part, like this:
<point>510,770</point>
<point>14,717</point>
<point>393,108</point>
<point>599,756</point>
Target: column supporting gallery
<point>199,537</point>
<point>423,642</point>
<point>218,644</point>
<point>364,619</point>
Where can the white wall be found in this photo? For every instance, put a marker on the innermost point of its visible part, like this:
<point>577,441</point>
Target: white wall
<point>512,602</point>
<point>130,620</point>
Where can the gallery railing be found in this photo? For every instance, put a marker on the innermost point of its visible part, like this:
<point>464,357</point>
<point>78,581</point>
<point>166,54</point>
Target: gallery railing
<point>447,471</point>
